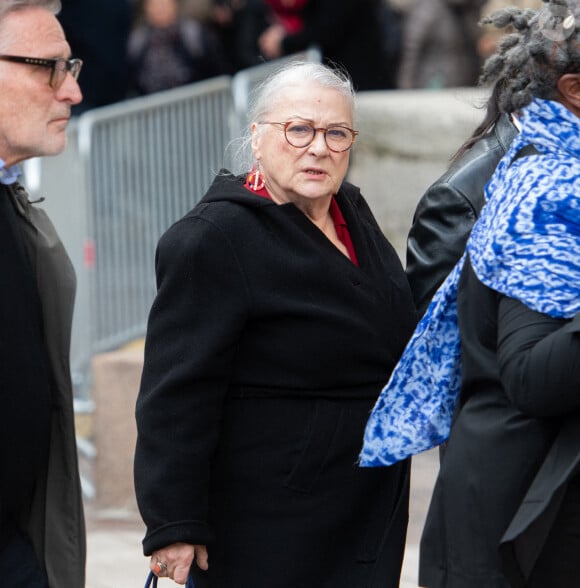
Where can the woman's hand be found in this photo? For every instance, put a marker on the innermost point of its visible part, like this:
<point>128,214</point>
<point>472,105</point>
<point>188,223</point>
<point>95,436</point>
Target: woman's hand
<point>174,561</point>
<point>270,41</point>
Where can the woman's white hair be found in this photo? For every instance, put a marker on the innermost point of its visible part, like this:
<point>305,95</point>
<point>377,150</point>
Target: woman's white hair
<point>272,91</point>
<point>8,6</point>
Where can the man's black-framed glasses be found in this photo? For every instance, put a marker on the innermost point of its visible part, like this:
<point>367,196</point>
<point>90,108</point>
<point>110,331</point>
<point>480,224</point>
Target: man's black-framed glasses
<point>300,134</point>
<point>59,67</point>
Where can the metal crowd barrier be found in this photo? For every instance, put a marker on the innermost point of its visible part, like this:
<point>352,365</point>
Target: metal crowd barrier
<point>147,164</point>
<point>129,171</point>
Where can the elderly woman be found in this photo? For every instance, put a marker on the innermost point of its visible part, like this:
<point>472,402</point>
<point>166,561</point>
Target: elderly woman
<point>503,333</point>
<point>281,309</point>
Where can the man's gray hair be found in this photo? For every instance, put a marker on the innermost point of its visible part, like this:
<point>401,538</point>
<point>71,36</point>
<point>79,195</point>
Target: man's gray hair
<point>8,6</point>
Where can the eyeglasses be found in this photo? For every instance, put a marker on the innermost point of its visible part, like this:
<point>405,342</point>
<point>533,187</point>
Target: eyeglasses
<point>58,67</point>
<point>301,134</point>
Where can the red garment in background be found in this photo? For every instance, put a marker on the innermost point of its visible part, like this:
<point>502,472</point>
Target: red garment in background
<point>288,13</point>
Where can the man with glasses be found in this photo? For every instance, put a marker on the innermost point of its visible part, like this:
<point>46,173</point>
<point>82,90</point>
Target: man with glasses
<point>42,536</point>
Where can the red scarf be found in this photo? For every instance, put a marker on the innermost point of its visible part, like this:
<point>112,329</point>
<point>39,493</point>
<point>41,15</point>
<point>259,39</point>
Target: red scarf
<point>288,13</point>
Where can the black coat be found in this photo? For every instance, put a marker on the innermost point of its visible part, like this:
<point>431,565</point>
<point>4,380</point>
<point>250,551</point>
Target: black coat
<point>97,32</point>
<point>266,349</point>
<point>520,381</point>
<point>524,540</point>
<point>55,519</point>
<point>361,36</point>
<point>350,33</point>
<point>448,210</point>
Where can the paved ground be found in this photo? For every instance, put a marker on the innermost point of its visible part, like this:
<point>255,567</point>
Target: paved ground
<point>114,539</point>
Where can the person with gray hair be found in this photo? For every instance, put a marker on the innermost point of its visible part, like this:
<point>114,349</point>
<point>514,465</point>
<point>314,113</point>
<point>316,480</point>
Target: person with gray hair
<point>280,308</point>
<point>42,533</point>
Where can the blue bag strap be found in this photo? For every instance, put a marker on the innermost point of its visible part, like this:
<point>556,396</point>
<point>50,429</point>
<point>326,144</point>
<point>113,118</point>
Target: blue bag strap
<point>151,581</point>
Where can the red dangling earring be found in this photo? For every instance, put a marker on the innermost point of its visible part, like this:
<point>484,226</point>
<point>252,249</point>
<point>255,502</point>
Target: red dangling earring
<point>256,179</point>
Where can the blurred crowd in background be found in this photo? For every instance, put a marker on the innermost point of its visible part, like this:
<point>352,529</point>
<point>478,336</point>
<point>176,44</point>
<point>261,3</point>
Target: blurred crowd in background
<point>137,47</point>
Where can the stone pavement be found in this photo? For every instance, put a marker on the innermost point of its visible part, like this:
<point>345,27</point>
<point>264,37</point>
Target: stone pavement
<point>115,559</point>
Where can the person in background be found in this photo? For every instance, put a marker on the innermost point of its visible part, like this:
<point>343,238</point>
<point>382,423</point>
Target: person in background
<point>280,307</point>
<point>168,50</point>
<point>273,20</point>
<point>224,20</point>
<point>239,24</point>
<point>392,21</point>
<point>439,44</point>
<point>42,533</point>
<point>349,33</point>
<point>288,14</point>
<point>97,31</point>
<point>197,9</point>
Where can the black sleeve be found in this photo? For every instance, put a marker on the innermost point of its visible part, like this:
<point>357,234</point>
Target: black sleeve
<point>249,23</point>
<point>192,333</point>
<point>325,21</point>
<point>539,360</point>
<point>441,226</point>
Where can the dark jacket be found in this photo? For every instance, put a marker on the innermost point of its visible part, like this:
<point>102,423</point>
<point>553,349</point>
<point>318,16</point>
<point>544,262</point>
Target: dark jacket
<point>348,33</point>
<point>97,32</point>
<point>448,210</point>
<point>351,34</point>
<point>517,389</point>
<point>56,523</point>
<point>266,349</point>
<point>525,538</point>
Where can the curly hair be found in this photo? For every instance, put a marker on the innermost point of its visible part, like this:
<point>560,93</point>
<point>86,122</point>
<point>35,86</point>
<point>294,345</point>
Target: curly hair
<point>543,46</point>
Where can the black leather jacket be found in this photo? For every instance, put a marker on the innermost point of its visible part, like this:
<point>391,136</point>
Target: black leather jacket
<point>447,211</point>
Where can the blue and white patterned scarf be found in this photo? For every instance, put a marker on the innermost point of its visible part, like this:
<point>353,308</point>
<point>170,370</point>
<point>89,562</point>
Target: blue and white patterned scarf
<point>526,245</point>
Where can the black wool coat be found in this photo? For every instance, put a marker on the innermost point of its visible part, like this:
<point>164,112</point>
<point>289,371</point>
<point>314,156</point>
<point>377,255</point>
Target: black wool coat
<point>266,349</point>
<point>55,521</point>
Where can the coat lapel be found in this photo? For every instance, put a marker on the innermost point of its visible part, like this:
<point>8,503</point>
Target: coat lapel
<point>527,533</point>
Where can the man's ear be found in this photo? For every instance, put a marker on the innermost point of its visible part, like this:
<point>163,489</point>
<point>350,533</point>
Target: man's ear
<point>569,89</point>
